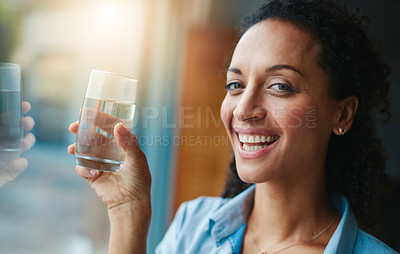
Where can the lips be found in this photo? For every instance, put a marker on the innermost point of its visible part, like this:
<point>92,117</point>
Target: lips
<point>255,142</point>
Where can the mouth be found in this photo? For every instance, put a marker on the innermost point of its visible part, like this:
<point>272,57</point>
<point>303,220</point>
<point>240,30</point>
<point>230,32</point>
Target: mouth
<point>256,142</point>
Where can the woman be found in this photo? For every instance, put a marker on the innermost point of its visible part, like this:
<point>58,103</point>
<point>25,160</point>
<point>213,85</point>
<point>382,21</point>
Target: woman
<point>296,59</point>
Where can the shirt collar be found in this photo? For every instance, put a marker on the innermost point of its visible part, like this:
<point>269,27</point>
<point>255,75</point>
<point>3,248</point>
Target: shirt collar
<point>345,235</point>
<point>232,215</point>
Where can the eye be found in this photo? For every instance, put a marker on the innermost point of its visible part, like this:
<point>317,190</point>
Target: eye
<point>282,88</point>
<point>233,86</point>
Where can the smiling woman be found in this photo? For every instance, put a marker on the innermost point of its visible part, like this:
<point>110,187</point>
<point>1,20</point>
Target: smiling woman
<point>355,162</point>
<point>283,80</point>
<point>293,185</point>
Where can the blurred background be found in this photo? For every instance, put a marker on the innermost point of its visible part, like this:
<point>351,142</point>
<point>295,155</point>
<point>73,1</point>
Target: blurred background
<point>178,50</point>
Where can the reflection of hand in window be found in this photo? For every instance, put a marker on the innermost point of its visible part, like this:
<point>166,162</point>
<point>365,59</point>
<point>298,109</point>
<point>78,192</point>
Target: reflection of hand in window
<point>10,169</point>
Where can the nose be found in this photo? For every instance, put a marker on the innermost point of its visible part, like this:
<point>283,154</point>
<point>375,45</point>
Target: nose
<point>250,106</point>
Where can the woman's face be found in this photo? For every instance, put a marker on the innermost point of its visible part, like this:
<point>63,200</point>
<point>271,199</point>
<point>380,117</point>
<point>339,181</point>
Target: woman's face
<point>277,111</point>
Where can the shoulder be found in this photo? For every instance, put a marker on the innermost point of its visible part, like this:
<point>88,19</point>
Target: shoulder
<point>198,209</point>
<point>205,203</point>
<point>366,243</point>
<point>189,231</point>
<point>200,224</point>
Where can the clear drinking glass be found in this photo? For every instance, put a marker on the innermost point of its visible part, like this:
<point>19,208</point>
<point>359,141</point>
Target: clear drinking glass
<point>110,99</point>
<point>11,129</point>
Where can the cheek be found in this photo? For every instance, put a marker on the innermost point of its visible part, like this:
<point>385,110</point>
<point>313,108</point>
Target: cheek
<point>313,119</point>
<point>306,132</point>
<point>294,116</point>
<point>298,124</point>
<point>301,117</point>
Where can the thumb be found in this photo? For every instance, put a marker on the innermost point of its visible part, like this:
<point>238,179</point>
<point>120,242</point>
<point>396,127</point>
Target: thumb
<point>126,140</point>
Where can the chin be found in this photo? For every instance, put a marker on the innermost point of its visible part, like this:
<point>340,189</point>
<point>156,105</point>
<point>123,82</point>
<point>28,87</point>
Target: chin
<point>249,174</point>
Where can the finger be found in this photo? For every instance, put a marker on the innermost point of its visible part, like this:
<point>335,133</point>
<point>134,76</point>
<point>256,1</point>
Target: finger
<point>28,123</point>
<point>87,173</point>
<point>71,149</point>
<point>126,140</point>
<point>28,141</point>
<point>135,163</point>
<point>73,127</point>
<point>26,107</point>
<point>101,120</point>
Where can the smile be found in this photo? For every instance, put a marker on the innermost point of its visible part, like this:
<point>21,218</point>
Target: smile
<point>256,142</point>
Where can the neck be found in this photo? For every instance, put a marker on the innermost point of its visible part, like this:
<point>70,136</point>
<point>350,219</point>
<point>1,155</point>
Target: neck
<point>290,209</point>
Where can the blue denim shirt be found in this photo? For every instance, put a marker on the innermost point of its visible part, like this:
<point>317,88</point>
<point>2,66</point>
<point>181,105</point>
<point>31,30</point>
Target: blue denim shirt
<point>216,225</point>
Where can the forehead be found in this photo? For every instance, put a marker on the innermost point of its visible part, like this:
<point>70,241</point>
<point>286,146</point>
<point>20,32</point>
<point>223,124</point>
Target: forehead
<point>273,42</point>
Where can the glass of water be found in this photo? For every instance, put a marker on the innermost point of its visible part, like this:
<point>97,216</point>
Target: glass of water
<point>11,129</point>
<point>110,99</point>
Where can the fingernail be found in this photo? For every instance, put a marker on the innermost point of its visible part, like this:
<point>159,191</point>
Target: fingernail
<point>92,172</point>
<point>123,130</point>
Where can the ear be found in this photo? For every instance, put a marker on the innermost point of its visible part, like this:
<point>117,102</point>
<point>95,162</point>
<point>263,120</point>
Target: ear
<point>346,111</point>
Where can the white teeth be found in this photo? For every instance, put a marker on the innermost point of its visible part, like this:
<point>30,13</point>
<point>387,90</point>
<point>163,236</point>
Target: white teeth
<point>252,148</point>
<point>256,139</point>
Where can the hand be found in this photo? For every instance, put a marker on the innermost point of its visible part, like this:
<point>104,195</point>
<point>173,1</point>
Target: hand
<point>129,186</point>
<point>126,192</point>
<point>10,169</point>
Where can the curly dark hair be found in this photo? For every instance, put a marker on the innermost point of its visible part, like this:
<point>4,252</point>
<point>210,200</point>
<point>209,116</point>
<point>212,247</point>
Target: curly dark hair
<point>356,161</point>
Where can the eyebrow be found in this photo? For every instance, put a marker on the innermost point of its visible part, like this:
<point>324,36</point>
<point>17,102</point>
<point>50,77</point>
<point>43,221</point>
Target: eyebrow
<point>234,70</point>
<point>269,69</point>
<point>283,66</point>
